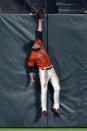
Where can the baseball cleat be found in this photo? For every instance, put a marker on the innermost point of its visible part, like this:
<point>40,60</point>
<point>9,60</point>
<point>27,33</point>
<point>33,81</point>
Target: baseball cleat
<point>56,111</point>
<point>44,113</point>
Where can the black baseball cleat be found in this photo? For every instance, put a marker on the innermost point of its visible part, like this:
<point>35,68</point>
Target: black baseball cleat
<point>44,113</point>
<point>56,110</point>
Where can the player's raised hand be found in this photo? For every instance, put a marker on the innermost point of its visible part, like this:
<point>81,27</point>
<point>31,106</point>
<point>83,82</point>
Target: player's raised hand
<point>41,13</point>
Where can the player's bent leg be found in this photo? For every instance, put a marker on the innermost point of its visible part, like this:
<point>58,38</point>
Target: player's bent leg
<point>56,86</point>
<point>44,98</point>
<point>44,83</point>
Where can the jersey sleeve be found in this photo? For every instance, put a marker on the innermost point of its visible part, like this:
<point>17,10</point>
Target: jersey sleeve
<point>31,61</point>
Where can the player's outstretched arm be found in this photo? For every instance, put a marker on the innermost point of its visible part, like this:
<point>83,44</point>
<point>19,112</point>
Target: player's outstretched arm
<point>41,15</point>
<point>39,28</point>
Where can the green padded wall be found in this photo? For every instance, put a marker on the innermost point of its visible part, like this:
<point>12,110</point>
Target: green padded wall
<point>68,51</point>
<point>19,104</point>
<point>67,48</point>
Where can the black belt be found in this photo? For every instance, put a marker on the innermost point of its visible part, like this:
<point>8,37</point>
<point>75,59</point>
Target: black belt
<point>47,68</point>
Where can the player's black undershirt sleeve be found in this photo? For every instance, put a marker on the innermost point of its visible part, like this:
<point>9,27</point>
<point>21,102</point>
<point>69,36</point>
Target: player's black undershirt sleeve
<point>30,69</point>
<point>39,35</point>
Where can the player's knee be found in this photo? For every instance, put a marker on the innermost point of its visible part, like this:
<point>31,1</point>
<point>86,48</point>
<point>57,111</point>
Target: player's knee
<point>57,85</point>
<point>57,88</point>
<point>44,85</point>
<point>43,90</point>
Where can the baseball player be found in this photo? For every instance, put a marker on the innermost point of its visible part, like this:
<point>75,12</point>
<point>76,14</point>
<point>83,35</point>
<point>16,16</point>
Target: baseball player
<point>45,67</point>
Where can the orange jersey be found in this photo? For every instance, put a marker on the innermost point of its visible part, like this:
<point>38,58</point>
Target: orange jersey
<point>39,57</point>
